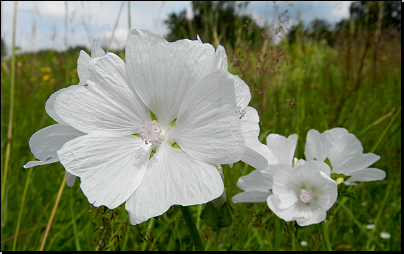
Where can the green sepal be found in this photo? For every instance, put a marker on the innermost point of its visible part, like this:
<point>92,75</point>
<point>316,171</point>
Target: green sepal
<point>209,215</point>
<point>344,192</point>
<point>216,219</point>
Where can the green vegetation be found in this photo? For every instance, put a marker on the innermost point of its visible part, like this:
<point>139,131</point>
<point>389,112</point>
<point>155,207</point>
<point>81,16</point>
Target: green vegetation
<point>354,83</point>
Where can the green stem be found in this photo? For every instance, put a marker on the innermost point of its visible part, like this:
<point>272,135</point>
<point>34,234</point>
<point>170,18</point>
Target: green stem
<point>196,239</point>
<point>324,232</point>
<point>295,243</point>
<point>217,239</point>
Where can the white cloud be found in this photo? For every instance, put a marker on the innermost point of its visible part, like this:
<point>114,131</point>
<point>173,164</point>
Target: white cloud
<point>37,22</point>
<point>119,41</point>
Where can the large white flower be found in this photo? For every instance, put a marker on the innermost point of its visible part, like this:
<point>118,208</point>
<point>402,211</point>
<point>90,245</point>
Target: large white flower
<point>152,161</point>
<point>303,193</point>
<point>45,142</point>
<point>345,153</point>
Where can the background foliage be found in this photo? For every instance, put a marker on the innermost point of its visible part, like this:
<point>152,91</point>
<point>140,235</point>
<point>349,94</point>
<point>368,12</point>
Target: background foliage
<point>318,77</point>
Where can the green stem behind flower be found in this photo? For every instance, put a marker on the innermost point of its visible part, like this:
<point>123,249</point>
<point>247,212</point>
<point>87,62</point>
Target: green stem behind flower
<point>295,243</point>
<point>196,239</point>
<point>324,232</point>
<point>217,239</point>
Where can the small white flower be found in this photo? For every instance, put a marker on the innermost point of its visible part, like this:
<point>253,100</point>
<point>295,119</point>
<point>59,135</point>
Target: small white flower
<point>45,142</point>
<point>345,153</point>
<point>384,235</point>
<point>152,163</point>
<point>304,193</point>
<point>303,243</point>
<point>370,226</point>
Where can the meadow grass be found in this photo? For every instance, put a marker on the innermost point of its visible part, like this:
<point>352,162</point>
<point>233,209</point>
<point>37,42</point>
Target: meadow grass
<point>295,88</point>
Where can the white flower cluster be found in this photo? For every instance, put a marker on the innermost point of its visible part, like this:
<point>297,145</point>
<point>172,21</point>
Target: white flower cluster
<point>151,131</point>
<point>305,191</point>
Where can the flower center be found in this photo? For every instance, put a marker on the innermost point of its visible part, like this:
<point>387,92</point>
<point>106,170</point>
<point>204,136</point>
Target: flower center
<point>305,196</point>
<point>240,112</point>
<point>150,133</point>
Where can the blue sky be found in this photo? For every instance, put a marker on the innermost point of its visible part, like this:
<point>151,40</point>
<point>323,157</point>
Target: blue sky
<point>45,25</point>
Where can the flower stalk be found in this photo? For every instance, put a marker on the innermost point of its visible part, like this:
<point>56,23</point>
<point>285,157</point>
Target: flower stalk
<point>324,233</point>
<point>196,239</point>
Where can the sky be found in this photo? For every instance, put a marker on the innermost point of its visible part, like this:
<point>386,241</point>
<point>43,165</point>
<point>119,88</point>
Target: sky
<point>60,24</point>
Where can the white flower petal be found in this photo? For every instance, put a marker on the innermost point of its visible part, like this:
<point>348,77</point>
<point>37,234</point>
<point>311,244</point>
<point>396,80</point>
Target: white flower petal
<point>70,179</point>
<point>173,177</point>
<point>96,50</point>
<point>108,73</point>
<point>31,164</point>
<point>250,127</point>
<point>316,146</point>
<point>84,60</point>
<point>366,175</point>
<point>207,128</point>
<point>253,158</point>
<point>45,142</point>
<point>220,61</point>
<point>243,94</point>
<point>287,214</point>
<point>90,108</point>
<point>110,167</point>
<point>334,135</point>
<point>82,67</point>
<point>162,73</point>
<point>285,186</point>
<point>346,156</point>
<point>316,216</point>
<point>255,181</point>
<point>255,186</point>
<point>49,106</point>
<point>251,197</point>
<point>283,148</point>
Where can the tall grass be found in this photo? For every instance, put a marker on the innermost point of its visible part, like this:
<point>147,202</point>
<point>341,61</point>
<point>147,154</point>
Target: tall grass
<point>294,87</point>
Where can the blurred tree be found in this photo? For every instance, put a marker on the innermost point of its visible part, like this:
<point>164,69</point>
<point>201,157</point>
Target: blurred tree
<point>296,33</point>
<point>375,17</point>
<point>216,22</point>
<point>371,16</point>
<point>319,29</point>
<point>3,49</point>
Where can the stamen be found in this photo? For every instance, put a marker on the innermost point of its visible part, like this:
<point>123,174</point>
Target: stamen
<point>305,196</point>
<point>240,112</point>
<point>150,133</point>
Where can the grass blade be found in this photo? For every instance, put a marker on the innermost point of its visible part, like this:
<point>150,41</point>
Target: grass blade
<point>53,213</point>
<point>21,209</point>
<point>10,121</point>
